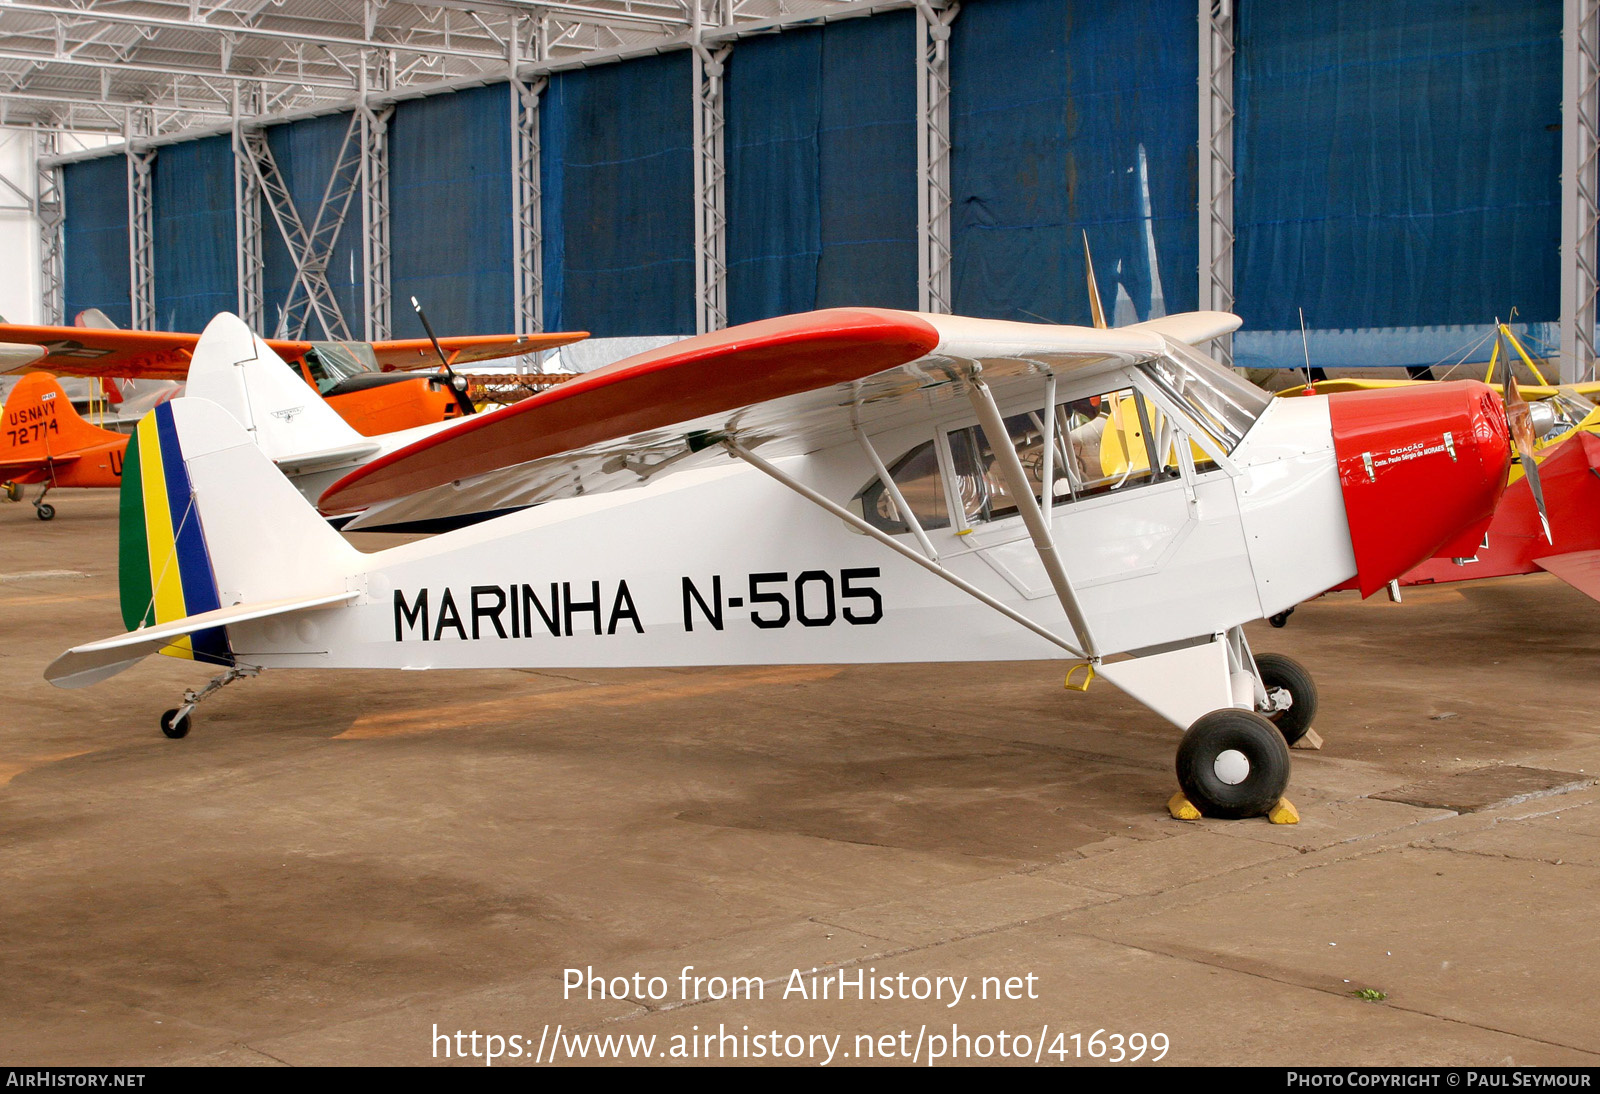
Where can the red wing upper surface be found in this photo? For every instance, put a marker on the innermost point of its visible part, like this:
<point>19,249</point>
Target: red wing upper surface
<point>707,375</point>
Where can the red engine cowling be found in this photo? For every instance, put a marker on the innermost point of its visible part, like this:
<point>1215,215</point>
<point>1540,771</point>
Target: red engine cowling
<point>1418,467</point>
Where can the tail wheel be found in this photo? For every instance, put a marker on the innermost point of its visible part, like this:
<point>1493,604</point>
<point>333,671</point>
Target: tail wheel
<point>1233,763</point>
<point>1278,671</point>
<point>173,726</point>
<point>46,511</point>
<point>13,492</point>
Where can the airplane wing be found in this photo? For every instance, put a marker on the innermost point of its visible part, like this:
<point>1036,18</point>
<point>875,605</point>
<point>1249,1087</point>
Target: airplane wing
<point>91,351</point>
<point>417,353</point>
<point>1580,569</point>
<point>790,385</point>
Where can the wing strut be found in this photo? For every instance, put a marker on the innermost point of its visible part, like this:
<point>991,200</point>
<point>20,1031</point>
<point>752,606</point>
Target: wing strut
<point>884,538</point>
<point>894,492</point>
<point>1005,455</point>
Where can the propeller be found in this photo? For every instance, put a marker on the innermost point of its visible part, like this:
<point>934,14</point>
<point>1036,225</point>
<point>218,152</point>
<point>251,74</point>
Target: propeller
<point>457,383</point>
<point>1524,434</point>
<point>1096,309</point>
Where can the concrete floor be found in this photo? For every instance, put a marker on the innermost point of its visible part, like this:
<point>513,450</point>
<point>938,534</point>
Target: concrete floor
<point>334,865</point>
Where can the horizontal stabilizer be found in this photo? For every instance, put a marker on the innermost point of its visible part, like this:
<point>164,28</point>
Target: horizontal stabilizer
<point>1580,569</point>
<point>303,463</point>
<point>96,661</point>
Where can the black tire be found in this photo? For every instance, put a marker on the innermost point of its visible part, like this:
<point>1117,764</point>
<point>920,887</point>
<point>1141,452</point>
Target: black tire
<point>1278,671</point>
<point>175,729</point>
<point>46,511</point>
<point>13,492</point>
<point>1266,764</point>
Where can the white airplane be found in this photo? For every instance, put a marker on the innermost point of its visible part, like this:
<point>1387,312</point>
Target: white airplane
<point>852,485</point>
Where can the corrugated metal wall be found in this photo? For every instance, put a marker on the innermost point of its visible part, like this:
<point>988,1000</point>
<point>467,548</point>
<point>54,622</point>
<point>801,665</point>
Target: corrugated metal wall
<point>1398,174</point>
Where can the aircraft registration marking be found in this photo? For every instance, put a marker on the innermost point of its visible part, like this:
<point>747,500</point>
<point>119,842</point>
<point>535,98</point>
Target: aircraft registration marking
<point>561,609</point>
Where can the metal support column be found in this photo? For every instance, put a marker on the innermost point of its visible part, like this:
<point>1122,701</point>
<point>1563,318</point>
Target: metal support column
<point>710,210</point>
<point>527,195</point>
<point>1216,164</point>
<point>309,294</point>
<point>51,213</point>
<point>376,292</point>
<point>1580,187</point>
<point>248,255</point>
<point>936,286</point>
<point>141,237</point>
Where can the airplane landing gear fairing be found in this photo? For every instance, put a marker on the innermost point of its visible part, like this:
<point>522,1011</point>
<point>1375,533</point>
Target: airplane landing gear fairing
<point>1233,763</point>
<point>176,722</point>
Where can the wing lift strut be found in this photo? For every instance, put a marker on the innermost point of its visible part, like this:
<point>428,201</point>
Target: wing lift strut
<point>1010,466</point>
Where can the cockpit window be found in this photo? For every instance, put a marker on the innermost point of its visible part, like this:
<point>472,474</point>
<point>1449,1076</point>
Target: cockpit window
<point>1103,443</point>
<point>917,475</point>
<point>1217,399</point>
<point>332,363</point>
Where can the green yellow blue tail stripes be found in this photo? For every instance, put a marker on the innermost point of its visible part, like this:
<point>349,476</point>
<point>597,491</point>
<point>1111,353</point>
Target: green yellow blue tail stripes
<point>164,568</point>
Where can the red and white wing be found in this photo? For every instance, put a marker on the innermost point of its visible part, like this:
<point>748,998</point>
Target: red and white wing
<point>789,385</point>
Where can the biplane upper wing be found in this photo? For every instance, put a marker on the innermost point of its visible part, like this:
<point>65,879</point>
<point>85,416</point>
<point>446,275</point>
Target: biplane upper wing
<point>792,384</point>
<point>418,353</point>
<point>92,351</point>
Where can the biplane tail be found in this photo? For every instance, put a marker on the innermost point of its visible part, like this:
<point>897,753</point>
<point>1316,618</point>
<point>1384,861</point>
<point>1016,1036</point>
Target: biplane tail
<point>211,534</point>
<point>41,427</point>
<point>297,429</point>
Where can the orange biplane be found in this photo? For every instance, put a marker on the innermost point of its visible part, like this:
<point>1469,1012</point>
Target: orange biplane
<point>44,440</point>
<point>368,383</point>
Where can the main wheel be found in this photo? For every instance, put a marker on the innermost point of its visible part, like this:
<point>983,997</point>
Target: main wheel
<point>173,726</point>
<point>46,511</point>
<point>1233,763</point>
<point>1278,671</point>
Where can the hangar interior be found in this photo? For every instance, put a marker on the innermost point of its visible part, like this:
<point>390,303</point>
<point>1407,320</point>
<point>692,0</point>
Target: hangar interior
<point>1393,177</point>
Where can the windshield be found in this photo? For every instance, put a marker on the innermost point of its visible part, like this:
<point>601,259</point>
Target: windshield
<point>1218,400</point>
<point>332,363</point>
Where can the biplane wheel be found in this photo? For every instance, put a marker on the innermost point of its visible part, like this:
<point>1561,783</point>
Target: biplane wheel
<point>1281,620</point>
<point>46,511</point>
<point>1278,671</point>
<point>174,727</point>
<point>13,492</point>
<point>1233,763</point>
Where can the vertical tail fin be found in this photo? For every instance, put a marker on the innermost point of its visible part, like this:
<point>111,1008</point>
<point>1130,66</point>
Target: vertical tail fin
<point>288,420</point>
<point>40,423</point>
<point>208,522</point>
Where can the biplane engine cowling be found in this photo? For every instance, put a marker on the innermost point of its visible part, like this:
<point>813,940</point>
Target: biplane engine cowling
<point>1417,466</point>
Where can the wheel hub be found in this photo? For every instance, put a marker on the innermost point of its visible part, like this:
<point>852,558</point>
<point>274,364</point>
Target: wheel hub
<point>1231,766</point>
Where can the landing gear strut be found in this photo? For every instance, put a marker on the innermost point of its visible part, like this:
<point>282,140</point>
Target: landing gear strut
<point>43,509</point>
<point>176,722</point>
